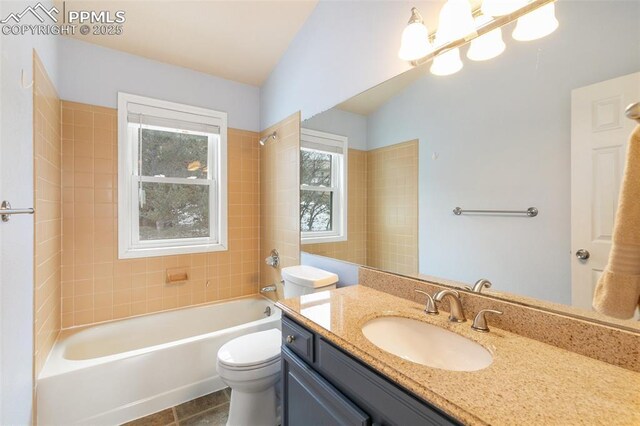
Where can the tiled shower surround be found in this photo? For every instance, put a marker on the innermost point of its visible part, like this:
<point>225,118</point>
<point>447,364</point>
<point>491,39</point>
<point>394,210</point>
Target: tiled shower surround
<point>96,285</point>
<point>48,216</point>
<point>280,197</point>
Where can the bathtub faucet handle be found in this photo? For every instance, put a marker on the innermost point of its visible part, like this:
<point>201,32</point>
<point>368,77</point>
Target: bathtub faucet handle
<point>273,259</point>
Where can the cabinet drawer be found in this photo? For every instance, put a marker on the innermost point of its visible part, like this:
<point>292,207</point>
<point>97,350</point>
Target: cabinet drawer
<point>311,401</point>
<point>385,402</point>
<point>296,338</point>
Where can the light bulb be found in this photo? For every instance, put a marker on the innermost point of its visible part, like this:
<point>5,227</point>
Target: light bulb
<point>415,42</point>
<point>501,7</point>
<point>447,63</point>
<point>488,45</point>
<point>537,24</point>
<point>456,21</point>
<point>415,38</point>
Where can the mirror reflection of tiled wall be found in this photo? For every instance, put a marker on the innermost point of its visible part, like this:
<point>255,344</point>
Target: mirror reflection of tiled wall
<point>382,230</point>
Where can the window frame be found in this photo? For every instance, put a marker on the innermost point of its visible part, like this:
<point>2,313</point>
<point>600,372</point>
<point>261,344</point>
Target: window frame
<point>129,244</point>
<point>339,182</point>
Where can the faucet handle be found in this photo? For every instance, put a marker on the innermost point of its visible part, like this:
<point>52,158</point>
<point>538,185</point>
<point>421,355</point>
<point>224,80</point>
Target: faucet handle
<point>430,308</point>
<point>480,322</point>
<point>479,285</point>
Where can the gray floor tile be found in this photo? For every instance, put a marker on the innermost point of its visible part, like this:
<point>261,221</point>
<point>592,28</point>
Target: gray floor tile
<point>201,404</point>
<point>216,416</point>
<point>161,418</point>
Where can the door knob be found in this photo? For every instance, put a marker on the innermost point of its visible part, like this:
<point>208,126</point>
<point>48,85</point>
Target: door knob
<point>583,254</point>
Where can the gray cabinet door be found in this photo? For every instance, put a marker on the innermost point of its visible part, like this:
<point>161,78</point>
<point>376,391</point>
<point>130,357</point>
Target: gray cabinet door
<point>310,400</point>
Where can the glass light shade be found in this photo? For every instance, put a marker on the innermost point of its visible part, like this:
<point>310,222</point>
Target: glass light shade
<point>456,21</point>
<point>537,24</point>
<point>488,45</point>
<point>415,42</point>
<point>447,63</point>
<point>501,7</point>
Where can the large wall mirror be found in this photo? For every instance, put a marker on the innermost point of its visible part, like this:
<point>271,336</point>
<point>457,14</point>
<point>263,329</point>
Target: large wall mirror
<point>383,172</point>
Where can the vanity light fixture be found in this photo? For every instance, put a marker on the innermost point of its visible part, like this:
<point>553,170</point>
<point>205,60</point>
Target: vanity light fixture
<point>537,24</point>
<point>501,7</point>
<point>457,27</point>
<point>413,45</point>
<point>488,45</point>
<point>456,22</point>
<point>447,63</point>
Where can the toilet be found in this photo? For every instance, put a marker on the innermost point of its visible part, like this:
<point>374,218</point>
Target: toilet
<point>302,279</point>
<point>250,364</point>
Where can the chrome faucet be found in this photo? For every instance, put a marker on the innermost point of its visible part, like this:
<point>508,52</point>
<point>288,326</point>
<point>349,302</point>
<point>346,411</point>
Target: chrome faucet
<point>456,313</point>
<point>480,322</point>
<point>479,285</point>
<point>269,289</point>
<point>430,307</point>
<point>273,259</point>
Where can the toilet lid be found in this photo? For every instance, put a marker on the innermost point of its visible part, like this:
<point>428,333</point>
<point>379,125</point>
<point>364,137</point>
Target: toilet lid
<point>251,349</point>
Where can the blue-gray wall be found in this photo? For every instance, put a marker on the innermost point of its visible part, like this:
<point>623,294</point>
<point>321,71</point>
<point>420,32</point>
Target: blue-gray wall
<point>344,48</point>
<point>94,75</point>
<point>343,123</point>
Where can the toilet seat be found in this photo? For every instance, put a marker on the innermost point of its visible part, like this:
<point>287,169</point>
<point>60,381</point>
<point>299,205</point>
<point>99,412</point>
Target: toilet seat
<point>247,376</point>
<point>252,351</point>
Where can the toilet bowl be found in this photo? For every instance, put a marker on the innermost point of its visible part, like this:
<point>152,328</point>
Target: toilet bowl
<point>250,366</point>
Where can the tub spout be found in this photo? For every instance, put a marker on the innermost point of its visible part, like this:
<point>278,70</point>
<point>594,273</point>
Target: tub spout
<point>268,289</point>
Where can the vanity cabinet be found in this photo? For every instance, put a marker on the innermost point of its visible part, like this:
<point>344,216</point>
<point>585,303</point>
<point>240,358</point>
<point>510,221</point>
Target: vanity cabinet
<point>323,385</point>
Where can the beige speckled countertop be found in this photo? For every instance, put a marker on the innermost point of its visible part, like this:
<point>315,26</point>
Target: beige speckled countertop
<point>528,383</point>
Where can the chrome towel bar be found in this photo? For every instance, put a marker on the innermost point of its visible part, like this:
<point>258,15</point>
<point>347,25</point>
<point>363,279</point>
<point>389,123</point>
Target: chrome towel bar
<point>530,212</point>
<point>6,211</point>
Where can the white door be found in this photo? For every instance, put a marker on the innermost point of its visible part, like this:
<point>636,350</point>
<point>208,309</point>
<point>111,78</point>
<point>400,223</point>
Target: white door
<point>599,135</point>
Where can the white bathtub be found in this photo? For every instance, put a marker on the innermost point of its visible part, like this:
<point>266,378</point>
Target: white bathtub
<point>114,372</point>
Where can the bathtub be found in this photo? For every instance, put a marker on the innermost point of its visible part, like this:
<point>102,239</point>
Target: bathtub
<point>114,372</point>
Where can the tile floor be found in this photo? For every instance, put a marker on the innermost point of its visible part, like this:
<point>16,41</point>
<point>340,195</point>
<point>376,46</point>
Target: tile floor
<point>211,409</point>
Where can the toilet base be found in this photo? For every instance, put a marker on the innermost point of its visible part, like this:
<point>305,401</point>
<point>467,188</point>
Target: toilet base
<point>255,408</point>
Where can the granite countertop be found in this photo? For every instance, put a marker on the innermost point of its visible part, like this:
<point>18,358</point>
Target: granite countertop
<point>529,382</point>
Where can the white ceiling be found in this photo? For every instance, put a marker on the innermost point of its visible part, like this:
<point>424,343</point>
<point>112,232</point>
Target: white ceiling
<point>237,40</point>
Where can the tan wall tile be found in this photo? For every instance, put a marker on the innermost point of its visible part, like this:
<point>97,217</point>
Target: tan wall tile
<point>48,218</point>
<point>392,234</point>
<point>110,288</point>
<point>280,198</point>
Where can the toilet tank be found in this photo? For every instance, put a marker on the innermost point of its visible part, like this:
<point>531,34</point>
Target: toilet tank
<point>303,279</point>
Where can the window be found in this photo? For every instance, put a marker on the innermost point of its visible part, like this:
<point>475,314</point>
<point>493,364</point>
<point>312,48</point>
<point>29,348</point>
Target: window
<point>171,178</point>
<point>323,187</point>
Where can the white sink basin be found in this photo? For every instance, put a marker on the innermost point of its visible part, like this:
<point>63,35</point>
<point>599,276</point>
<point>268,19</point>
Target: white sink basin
<point>426,344</point>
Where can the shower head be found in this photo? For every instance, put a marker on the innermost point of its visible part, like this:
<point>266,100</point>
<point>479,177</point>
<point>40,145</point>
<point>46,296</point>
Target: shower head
<point>264,139</point>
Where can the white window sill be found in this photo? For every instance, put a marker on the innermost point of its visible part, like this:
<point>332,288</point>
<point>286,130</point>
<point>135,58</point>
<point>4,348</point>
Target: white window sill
<point>170,251</point>
<point>327,239</point>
